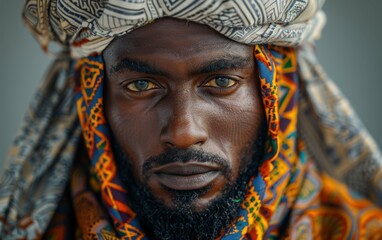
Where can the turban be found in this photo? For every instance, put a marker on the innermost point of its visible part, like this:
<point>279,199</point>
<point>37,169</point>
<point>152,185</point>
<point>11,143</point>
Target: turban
<point>89,26</point>
<point>313,133</point>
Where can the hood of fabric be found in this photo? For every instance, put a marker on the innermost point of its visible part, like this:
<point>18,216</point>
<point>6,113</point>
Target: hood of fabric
<point>277,71</point>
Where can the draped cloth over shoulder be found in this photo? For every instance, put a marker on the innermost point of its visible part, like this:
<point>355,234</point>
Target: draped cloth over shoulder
<point>34,191</point>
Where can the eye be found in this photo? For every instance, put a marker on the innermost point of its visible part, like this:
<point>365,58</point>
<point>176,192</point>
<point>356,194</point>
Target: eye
<point>141,85</point>
<point>221,82</point>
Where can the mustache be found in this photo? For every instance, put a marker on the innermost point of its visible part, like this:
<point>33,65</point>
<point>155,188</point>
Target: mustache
<point>176,155</point>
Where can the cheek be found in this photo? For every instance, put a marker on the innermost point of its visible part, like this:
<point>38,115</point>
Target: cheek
<point>240,127</point>
<point>238,124</point>
<point>134,130</point>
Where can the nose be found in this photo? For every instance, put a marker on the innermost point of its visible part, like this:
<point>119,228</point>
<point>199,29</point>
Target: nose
<point>183,127</point>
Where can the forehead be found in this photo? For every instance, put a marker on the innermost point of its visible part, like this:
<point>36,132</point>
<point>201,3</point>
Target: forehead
<point>177,38</point>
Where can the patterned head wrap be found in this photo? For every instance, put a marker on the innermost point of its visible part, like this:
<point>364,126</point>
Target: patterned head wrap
<point>89,26</point>
<point>309,124</point>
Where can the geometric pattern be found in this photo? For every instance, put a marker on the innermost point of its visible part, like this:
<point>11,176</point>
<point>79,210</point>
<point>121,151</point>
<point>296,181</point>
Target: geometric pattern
<point>334,135</point>
<point>289,197</point>
<point>40,160</point>
<point>97,139</point>
<point>89,26</point>
<point>258,206</point>
<point>288,189</point>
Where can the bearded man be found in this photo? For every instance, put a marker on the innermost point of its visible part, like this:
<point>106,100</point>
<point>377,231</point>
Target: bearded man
<point>187,120</point>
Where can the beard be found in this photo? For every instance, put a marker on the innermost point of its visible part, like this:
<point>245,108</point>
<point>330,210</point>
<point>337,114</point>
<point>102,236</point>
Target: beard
<point>181,220</point>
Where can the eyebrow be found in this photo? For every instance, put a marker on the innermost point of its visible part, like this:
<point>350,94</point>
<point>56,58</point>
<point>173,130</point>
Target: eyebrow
<point>224,63</point>
<point>135,66</point>
<point>233,62</point>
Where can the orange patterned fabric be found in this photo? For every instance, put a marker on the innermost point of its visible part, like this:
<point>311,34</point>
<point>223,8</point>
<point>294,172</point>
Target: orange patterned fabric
<point>288,199</point>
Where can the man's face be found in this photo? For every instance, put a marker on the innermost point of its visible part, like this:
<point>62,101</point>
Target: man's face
<point>176,87</point>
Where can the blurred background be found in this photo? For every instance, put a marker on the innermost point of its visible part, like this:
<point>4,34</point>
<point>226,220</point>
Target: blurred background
<point>350,51</point>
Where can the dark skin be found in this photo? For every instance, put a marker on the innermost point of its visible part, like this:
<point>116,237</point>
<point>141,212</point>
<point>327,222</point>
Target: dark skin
<point>177,84</point>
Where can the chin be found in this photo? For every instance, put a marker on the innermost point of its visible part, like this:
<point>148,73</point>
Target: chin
<point>197,214</point>
<point>194,200</point>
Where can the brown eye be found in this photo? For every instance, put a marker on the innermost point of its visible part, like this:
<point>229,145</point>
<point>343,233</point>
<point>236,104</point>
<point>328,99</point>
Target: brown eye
<point>221,82</point>
<point>141,85</point>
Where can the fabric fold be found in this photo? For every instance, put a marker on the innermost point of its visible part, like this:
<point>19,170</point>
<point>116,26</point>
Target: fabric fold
<point>89,26</point>
<point>314,136</point>
<point>46,143</point>
<point>335,137</point>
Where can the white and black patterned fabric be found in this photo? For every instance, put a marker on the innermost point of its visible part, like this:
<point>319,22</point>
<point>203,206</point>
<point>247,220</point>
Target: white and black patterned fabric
<point>89,26</point>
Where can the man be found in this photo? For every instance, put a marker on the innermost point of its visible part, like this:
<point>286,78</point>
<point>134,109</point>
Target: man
<point>188,112</point>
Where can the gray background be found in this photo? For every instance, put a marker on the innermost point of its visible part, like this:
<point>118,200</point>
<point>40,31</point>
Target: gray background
<point>350,50</point>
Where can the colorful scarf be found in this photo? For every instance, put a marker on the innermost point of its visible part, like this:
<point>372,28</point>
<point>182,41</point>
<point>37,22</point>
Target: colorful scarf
<point>289,198</point>
<point>310,125</point>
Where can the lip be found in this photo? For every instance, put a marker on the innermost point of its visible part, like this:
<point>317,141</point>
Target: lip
<point>186,176</point>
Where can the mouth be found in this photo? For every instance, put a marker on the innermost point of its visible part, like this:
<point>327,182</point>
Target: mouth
<point>186,176</point>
